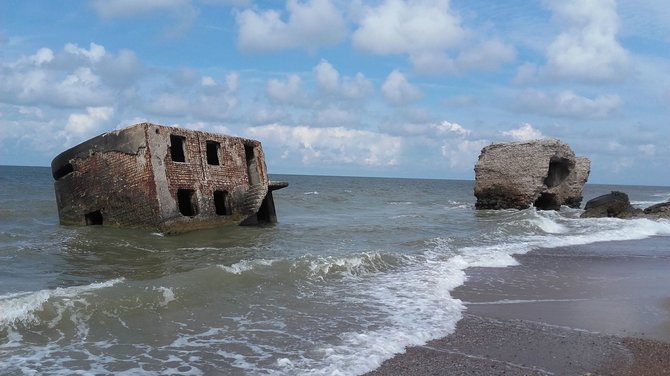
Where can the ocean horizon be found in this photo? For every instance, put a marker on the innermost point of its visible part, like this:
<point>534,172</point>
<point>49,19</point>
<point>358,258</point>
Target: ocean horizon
<point>356,270</point>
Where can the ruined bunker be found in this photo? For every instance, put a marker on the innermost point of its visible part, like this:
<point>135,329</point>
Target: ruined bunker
<point>166,178</point>
<point>541,173</point>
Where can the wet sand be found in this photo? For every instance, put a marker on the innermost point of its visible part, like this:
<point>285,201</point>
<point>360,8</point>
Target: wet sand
<point>594,309</point>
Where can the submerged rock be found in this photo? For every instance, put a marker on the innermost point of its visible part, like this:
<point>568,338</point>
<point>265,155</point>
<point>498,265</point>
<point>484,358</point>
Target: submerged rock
<point>661,210</point>
<point>615,204</point>
<point>543,173</point>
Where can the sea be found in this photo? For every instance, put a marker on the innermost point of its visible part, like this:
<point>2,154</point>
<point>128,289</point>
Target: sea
<point>356,270</point>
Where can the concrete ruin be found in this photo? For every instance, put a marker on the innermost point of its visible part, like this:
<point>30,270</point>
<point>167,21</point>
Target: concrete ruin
<point>542,173</point>
<point>165,178</point>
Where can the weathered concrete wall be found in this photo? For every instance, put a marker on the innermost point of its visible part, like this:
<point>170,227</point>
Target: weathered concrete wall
<point>231,175</point>
<point>544,173</point>
<point>111,175</point>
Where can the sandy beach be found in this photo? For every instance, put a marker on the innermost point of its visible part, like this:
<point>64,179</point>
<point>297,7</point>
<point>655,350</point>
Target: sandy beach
<point>601,308</point>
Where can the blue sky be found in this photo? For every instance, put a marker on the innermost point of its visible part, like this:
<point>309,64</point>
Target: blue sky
<point>396,88</point>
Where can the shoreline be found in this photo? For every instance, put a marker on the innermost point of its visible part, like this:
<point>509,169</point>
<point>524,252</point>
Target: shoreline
<point>601,308</point>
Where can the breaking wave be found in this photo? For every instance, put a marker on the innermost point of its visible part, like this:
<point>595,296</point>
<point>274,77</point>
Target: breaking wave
<point>22,307</point>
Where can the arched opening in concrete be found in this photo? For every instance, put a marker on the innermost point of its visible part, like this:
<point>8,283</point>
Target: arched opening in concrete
<point>63,171</point>
<point>93,218</point>
<point>220,205</point>
<point>186,202</point>
<point>559,169</point>
<point>547,201</point>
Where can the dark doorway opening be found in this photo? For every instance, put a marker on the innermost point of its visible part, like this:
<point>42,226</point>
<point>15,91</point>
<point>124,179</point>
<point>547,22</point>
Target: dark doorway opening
<point>93,218</point>
<point>213,153</point>
<point>559,170</point>
<point>547,201</point>
<point>186,202</point>
<point>220,203</point>
<point>252,172</point>
<point>177,148</point>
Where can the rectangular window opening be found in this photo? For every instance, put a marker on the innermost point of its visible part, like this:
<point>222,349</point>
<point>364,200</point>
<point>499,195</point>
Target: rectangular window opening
<point>213,153</point>
<point>220,203</point>
<point>177,144</point>
<point>186,202</point>
<point>93,218</point>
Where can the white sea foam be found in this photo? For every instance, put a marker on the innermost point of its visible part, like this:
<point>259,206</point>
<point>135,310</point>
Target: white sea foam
<point>607,229</point>
<point>245,265</point>
<point>570,233</point>
<point>418,301</point>
<point>21,307</point>
<point>167,295</point>
<point>548,225</point>
<point>350,265</point>
<point>417,306</point>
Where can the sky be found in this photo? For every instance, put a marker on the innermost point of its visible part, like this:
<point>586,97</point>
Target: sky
<point>393,88</point>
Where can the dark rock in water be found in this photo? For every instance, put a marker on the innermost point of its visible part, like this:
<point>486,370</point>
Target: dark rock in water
<point>516,175</point>
<point>615,204</point>
<point>659,210</point>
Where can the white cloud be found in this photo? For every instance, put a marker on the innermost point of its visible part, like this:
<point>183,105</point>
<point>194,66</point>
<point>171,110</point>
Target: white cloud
<point>526,73</point>
<point>288,91</point>
<point>621,164</point>
<point>208,99</point>
<point>73,77</point>
<point>398,91</point>
<point>94,53</point>
<point>568,104</point>
<point>329,80</point>
<point>433,62</point>
<point>449,140</point>
<point>648,150</point>
<point>426,30</point>
<point>587,49</point>
<point>462,153</point>
<point>207,81</point>
<point>525,132</point>
<point>454,141</point>
<point>43,55</point>
<point>334,116</point>
<point>398,27</point>
<point>170,104</point>
<point>332,145</point>
<point>327,77</point>
<point>446,127</point>
<point>310,25</point>
<point>203,126</point>
<point>488,55</point>
<point>121,70</point>
<point>81,124</point>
